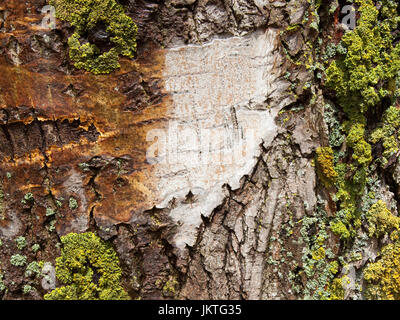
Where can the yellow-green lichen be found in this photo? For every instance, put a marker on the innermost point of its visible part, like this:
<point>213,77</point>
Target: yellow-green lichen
<point>383,276</point>
<point>326,166</point>
<point>387,133</point>
<point>85,15</point>
<point>337,288</point>
<point>364,74</point>
<point>381,221</point>
<point>89,269</point>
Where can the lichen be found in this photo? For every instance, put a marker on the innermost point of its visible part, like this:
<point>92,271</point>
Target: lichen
<point>326,166</point>
<point>28,289</point>
<point>73,204</point>
<point>2,284</point>
<point>21,242</point>
<point>49,212</point>
<point>35,247</point>
<point>28,198</point>
<point>33,269</point>
<point>337,288</point>
<point>383,276</point>
<point>18,260</point>
<point>387,133</point>
<point>85,15</point>
<point>381,221</point>
<point>89,269</point>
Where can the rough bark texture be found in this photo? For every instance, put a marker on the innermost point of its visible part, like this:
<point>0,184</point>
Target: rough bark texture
<point>77,143</point>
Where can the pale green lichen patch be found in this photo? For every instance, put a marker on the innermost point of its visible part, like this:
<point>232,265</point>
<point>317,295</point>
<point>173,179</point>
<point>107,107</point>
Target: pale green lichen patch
<point>21,242</point>
<point>18,260</point>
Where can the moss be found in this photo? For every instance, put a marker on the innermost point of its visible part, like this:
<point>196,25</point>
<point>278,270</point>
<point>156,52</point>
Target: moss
<point>85,15</point>
<point>383,276</point>
<point>89,268</point>
<point>21,242</point>
<point>381,221</point>
<point>18,260</point>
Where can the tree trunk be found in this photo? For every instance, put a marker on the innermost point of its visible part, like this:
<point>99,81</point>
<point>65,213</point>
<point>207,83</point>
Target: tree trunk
<point>196,159</point>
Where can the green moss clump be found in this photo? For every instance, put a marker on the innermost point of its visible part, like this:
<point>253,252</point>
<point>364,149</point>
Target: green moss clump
<point>340,229</point>
<point>89,268</point>
<point>84,15</point>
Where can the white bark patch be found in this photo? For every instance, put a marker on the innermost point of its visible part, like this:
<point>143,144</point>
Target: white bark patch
<point>219,117</point>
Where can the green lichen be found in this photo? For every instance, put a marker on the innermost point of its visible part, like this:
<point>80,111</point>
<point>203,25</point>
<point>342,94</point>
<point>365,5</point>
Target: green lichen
<point>337,288</point>
<point>318,254</point>
<point>73,204</point>
<point>52,225</point>
<point>33,269</point>
<point>35,247</point>
<point>89,269</point>
<point>18,260</point>
<point>85,15</point>
<point>28,197</point>
<point>50,212</point>
<point>28,289</point>
<point>170,287</point>
<point>325,165</point>
<point>21,242</point>
<point>383,276</point>
<point>387,133</point>
<point>381,221</point>
<point>2,284</point>
<point>370,59</point>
